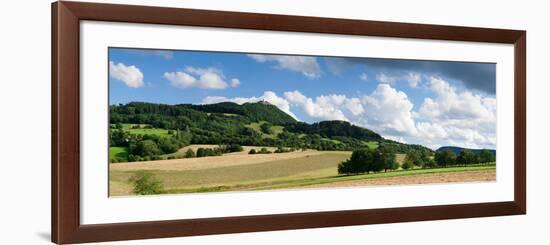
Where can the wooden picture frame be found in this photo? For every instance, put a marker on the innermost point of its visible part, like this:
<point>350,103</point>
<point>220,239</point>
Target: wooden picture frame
<point>65,175</point>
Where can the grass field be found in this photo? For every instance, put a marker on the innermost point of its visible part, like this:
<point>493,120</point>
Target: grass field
<point>275,129</point>
<point>400,158</point>
<point>145,131</point>
<point>128,127</point>
<point>240,171</point>
<point>372,144</point>
<point>118,152</point>
<point>192,175</point>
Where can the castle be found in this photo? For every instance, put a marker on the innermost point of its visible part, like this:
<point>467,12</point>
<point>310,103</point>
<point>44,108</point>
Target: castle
<point>264,102</point>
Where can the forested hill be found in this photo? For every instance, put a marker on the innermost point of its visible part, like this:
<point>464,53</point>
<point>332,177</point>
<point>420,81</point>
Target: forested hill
<point>260,111</point>
<point>333,129</point>
<point>456,150</point>
<point>258,124</point>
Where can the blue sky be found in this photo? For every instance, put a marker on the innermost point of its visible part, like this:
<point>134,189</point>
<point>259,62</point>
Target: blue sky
<point>433,103</point>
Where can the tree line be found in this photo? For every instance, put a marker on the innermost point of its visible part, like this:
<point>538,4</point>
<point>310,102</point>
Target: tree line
<point>466,157</point>
<point>383,159</point>
<point>369,160</point>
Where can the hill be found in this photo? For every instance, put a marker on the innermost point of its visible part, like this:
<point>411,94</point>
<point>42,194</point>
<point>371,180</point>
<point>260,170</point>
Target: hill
<point>259,111</point>
<point>250,124</point>
<point>331,129</point>
<point>456,150</point>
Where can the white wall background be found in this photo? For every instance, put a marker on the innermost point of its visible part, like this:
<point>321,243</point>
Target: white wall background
<point>25,124</point>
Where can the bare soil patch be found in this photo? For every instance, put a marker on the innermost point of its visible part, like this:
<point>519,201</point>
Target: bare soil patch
<point>469,176</point>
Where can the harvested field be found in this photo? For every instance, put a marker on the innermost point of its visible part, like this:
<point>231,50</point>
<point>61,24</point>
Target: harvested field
<point>231,159</point>
<point>183,175</point>
<point>469,176</point>
<point>241,171</point>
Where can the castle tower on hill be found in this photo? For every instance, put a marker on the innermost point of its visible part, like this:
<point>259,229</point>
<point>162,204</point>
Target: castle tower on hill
<point>264,102</point>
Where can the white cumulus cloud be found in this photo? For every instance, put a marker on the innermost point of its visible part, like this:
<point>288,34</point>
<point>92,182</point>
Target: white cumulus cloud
<point>205,78</point>
<point>235,82</point>
<point>457,117</point>
<point>308,66</point>
<point>452,105</point>
<point>129,75</point>
<point>431,131</point>
<point>389,111</point>
<point>354,106</point>
<point>324,107</point>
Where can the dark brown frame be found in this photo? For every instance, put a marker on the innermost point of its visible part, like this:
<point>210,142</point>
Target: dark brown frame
<point>65,175</point>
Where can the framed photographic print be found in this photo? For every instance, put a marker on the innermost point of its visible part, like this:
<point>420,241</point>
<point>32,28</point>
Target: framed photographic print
<point>177,122</point>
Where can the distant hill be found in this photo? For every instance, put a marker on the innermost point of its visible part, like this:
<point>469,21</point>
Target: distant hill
<point>457,150</point>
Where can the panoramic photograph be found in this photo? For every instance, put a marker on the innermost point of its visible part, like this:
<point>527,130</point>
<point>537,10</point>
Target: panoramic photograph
<point>201,121</point>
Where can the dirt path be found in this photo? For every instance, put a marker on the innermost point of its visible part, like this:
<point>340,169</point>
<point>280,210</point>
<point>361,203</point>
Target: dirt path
<point>470,176</point>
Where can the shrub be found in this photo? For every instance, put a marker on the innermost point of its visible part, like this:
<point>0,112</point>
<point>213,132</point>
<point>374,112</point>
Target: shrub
<point>407,165</point>
<point>414,158</point>
<point>392,165</point>
<point>145,183</point>
<point>145,148</point>
<point>467,157</point>
<point>266,128</point>
<point>261,151</point>
<point>264,151</point>
<point>189,153</point>
<point>232,148</point>
<point>429,163</point>
<point>118,137</point>
<point>283,150</point>
<point>168,145</point>
<point>368,160</point>
<point>486,156</point>
<point>445,158</point>
<point>360,162</point>
<point>133,158</point>
<point>204,152</point>
<point>201,152</point>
